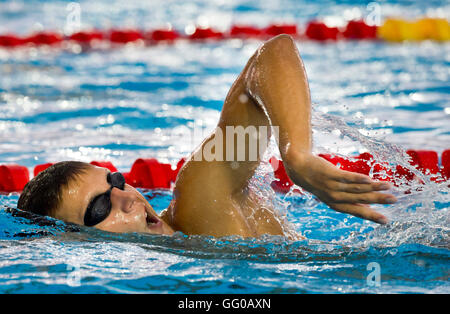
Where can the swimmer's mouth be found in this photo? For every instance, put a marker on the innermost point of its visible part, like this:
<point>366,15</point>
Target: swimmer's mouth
<point>152,221</point>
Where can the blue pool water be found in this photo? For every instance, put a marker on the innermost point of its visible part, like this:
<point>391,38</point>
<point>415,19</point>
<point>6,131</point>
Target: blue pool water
<point>125,103</point>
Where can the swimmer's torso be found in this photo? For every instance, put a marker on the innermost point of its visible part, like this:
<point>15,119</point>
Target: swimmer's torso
<point>197,210</point>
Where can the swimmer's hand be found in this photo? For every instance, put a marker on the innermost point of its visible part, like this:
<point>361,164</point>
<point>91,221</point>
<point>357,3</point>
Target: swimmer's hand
<point>343,191</point>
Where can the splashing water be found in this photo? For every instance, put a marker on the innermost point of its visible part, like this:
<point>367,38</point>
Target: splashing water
<point>418,234</point>
<point>127,103</point>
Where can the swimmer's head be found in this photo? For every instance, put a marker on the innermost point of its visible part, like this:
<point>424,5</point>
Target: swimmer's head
<point>84,194</point>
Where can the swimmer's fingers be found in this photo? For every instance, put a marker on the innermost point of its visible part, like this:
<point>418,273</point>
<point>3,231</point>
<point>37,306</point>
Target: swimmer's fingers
<point>343,191</point>
<point>350,177</point>
<point>360,210</point>
<point>360,187</point>
<point>362,198</point>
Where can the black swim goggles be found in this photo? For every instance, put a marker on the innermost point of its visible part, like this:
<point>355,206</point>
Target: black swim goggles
<point>100,207</point>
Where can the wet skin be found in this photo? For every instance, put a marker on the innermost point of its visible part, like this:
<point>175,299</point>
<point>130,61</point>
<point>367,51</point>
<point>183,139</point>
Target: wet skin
<point>214,197</point>
<point>130,211</point>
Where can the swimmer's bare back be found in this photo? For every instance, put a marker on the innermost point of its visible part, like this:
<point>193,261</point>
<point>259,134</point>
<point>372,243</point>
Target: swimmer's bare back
<point>213,198</point>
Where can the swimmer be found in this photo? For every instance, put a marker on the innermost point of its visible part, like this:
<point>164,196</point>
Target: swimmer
<point>212,197</point>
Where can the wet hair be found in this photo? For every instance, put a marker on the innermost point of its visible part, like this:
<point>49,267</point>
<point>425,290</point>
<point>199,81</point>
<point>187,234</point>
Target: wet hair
<point>42,195</point>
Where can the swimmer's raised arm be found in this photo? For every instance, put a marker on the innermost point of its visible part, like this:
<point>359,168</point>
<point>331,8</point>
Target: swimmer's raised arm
<point>276,80</point>
<point>212,196</point>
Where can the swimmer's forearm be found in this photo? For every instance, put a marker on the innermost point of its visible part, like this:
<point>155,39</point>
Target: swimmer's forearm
<point>277,81</point>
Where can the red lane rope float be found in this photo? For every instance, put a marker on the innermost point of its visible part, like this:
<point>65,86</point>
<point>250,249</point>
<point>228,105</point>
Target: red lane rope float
<point>360,30</point>
<point>117,36</point>
<point>104,164</point>
<point>283,183</point>
<point>163,35</point>
<point>10,40</point>
<point>86,37</point>
<point>390,30</point>
<point>245,31</point>
<point>206,33</point>
<point>41,167</point>
<point>425,160</point>
<point>277,29</point>
<point>149,173</point>
<point>46,38</point>
<point>13,178</point>
<point>320,31</point>
<point>445,160</point>
<point>125,36</point>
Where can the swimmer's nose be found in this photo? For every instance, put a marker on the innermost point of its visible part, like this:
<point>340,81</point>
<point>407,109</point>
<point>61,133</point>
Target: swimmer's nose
<point>122,199</point>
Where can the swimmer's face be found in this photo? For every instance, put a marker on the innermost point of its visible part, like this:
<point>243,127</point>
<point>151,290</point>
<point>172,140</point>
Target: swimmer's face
<point>130,211</point>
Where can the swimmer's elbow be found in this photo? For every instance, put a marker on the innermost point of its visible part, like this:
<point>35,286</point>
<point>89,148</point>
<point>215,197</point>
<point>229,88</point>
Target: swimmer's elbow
<point>278,45</point>
<point>279,49</point>
<point>283,40</point>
